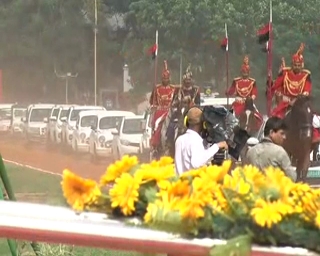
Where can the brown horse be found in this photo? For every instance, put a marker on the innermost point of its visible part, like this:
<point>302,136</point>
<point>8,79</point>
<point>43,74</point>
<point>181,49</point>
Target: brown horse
<point>298,141</point>
<point>247,119</point>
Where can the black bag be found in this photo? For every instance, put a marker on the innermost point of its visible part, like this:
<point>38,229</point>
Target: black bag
<point>238,142</point>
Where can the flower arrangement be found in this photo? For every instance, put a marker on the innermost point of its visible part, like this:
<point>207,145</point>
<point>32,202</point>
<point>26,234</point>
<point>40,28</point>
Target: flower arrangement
<point>212,201</point>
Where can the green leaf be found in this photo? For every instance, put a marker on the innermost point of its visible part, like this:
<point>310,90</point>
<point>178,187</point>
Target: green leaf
<point>150,193</point>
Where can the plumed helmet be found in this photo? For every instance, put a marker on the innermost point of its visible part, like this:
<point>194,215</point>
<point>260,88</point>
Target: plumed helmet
<point>245,66</point>
<point>165,72</point>
<point>188,73</point>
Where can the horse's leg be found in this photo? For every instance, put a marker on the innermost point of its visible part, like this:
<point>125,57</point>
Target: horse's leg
<point>315,151</point>
<point>303,164</point>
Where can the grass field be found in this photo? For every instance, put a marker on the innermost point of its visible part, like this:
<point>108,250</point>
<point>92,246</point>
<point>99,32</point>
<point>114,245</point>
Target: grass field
<point>34,186</point>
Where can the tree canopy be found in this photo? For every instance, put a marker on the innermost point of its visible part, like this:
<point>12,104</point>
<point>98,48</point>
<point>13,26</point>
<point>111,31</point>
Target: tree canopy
<point>39,36</point>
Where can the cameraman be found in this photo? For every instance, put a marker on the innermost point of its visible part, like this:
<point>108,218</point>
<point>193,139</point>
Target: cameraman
<point>190,152</point>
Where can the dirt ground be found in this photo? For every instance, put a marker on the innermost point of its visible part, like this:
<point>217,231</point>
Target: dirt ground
<point>53,160</point>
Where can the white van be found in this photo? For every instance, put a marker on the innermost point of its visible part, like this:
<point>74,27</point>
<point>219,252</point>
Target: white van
<point>100,141</point>
<point>36,122</point>
<point>5,118</point>
<point>69,122</point>
<point>80,137</point>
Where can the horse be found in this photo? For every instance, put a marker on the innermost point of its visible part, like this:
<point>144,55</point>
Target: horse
<point>171,123</point>
<point>298,142</point>
<point>247,119</point>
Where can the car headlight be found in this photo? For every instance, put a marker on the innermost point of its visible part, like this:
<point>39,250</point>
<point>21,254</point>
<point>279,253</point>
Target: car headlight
<point>102,139</point>
<point>70,127</point>
<point>125,142</point>
<point>82,136</point>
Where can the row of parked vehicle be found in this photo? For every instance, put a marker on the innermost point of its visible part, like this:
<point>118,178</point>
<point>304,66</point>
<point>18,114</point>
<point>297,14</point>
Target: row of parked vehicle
<point>79,129</point>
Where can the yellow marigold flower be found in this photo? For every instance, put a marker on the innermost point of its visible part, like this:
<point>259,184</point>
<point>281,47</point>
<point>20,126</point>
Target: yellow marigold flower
<point>193,173</point>
<point>125,193</point>
<point>283,208</point>
<point>265,214</point>
<point>165,160</point>
<point>237,184</point>
<point>164,184</point>
<point>179,188</point>
<point>148,172</point>
<point>317,219</point>
<point>79,192</point>
<point>192,208</point>
<point>215,206</point>
<point>115,170</point>
<point>217,173</point>
<point>251,174</point>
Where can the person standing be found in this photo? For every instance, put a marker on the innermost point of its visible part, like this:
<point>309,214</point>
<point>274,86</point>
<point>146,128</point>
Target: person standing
<point>190,152</point>
<point>269,152</point>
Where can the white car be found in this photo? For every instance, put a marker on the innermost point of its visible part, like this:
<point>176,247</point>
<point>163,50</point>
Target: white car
<point>127,138</point>
<point>69,122</point>
<point>35,123</point>
<point>85,122</point>
<point>146,136</point>
<point>100,141</point>
<point>17,113</point>
<point>5,118</point>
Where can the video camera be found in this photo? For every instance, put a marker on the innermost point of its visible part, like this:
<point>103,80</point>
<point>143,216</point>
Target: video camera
<point>221,125</point>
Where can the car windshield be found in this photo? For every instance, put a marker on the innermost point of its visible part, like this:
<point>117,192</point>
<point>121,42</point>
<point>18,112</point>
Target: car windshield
<point>132,126</point>
<point>55,112</point>
<point>75,113</point>
<point>109,122</point>
<point>88,121</point>
<point>19,112</point>
<point>63,113</point>
<point>38,114</point>
<point>5,114</point>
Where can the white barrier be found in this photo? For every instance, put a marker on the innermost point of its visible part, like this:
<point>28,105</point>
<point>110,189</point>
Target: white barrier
<point>34,222</point>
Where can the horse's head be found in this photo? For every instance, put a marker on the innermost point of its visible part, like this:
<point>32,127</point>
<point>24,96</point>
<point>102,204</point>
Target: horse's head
<point>301,110</point>
<point>249,104</point>
<point>247,120</point>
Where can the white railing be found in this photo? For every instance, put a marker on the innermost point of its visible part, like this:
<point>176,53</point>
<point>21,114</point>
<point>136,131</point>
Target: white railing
<point>42,223</point>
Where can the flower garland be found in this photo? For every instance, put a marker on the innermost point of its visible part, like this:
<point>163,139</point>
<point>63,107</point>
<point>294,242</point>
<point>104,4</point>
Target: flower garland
<point>213,201</point>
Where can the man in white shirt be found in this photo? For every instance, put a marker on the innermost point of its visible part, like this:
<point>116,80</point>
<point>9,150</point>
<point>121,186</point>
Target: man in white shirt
<point>190,152</point>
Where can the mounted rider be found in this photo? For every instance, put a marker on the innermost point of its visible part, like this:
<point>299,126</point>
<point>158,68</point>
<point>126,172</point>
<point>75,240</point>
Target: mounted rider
<point>189,92</point>
<point>160,101</point>
<point>243,87</point>
<point>290,83</point>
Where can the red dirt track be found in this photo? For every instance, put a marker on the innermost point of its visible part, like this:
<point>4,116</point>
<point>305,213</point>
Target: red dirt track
<point>54,160</point>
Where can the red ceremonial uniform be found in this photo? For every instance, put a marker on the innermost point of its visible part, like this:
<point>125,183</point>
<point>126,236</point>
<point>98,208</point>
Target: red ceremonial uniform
<point>243,87</point>
<point>290,84</point>
<point>160,100</point>
<point>161,96</point>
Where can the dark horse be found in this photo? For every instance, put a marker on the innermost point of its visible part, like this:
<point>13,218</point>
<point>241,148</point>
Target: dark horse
<point>247,119</point>
<point>298,141</point>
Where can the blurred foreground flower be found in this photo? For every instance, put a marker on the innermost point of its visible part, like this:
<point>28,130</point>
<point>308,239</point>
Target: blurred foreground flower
<point>79,192</point>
